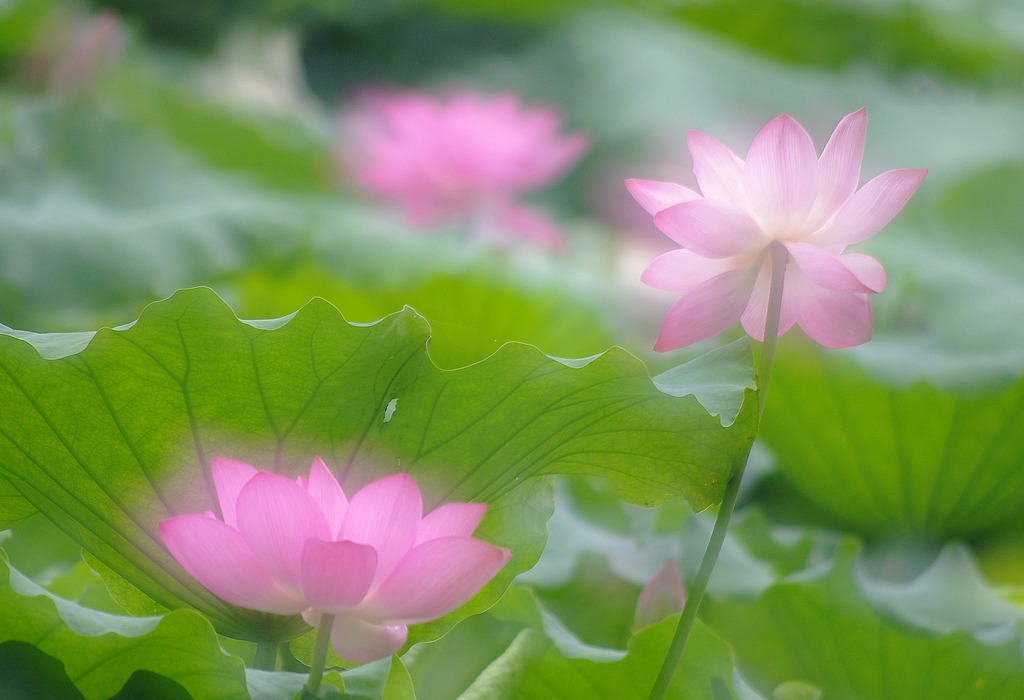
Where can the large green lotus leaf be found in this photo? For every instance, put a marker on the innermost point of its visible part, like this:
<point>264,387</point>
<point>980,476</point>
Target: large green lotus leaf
<point>900,38</point>
<point>950,594</point>
<point>99,216</point>
<point>471,311</point>
<point>519,650</point>
<point>109,438</point>
<point>101,652</point>
<point>12,506</point>
<point>276,152</point>
<point>820,630</point>
<point>888,458</point>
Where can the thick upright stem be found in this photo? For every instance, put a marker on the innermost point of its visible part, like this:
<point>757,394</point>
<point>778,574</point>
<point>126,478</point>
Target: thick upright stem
<point>316,668</point>
<point>695,596</point>
<point>266,656</point>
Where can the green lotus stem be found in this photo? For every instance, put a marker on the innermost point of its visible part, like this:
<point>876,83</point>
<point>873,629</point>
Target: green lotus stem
<point>266,656</point>
<point>779,257</point>
<point>316,668</point>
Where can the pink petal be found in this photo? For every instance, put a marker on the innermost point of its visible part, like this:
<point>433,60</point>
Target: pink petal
<point>451,520</point>
<point>277,516</point>
<point>327,493</point>
<point>868,270</point>
<point>385,514</point>
<point>433,579</point>
<point>218,557</point>
<point>360,641</point>
<point>229,476</point>
<point>839,165</point>
<point>656,196</point>
<point>707,310</point>
<point>681,270</point>
<point>830,318</point>
<point>780,176</point>
<point>828,270</point>
<point>870,208</point>
<point>336,575</point>
<point>710,228</point>
<point>719,171</point>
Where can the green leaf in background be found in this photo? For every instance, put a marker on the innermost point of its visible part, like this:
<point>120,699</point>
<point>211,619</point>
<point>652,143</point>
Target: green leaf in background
<point>949,595</point>
<point>820,630</point>
<point>275,152</point>
<point>471,312</point>
<point>109,439</point>
<point>99,216</point>
<point>888,459</point>
<point>100,652</point>
<point>897,39</point>
<point>543,661</point>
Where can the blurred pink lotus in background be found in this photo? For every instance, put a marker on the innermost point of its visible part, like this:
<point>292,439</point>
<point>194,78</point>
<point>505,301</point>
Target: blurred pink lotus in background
<point>373,561</point>
<point>464,157</point>
<point>782,194</point>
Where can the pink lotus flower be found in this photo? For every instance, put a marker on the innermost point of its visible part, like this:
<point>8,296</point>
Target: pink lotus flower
<point>465,157</point>
<point>782,194</point>
<point>373,561</point>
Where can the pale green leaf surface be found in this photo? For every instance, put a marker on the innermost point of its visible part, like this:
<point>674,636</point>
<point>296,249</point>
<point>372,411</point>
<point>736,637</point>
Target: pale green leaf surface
<point>882,458</point>
<point>519,650</point>
<point>101,651</point>
<point>820,630</point>
<point>111,439</point>
<point>557,670</point>
<point>717,378</point>
<point>472,309</point>
<point>949,595</point>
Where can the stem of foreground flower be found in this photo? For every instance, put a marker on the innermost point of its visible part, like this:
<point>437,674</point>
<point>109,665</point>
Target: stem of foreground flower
<point>316,668</point>
<point>779,258</point>
<point>266,656</point>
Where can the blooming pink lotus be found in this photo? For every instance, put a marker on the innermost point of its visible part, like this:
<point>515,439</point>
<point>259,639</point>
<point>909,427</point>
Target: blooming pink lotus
<point>374,561</point>
<point>465,156</point>
<point>783,194</point>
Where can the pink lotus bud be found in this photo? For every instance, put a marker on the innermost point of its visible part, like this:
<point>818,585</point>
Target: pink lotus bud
<point>462,157</point>
<point>662,596</point>
<point>784,194</point>
<point>374,561</point>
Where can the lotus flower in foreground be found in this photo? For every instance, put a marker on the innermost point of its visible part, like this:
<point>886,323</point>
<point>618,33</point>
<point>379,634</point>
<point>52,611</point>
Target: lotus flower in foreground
<point>781,194</point>
<point>466,156</point>
<point>372,560</point>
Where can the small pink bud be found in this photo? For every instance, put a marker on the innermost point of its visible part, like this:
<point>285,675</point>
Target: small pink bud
<point>661,597</point>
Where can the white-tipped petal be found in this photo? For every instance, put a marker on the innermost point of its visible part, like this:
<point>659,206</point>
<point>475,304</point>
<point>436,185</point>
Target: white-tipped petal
<point>870,208</point>
<point>711,229</point>
<point>655,196</point>
<point>719,171</point>
<point>780,176</point>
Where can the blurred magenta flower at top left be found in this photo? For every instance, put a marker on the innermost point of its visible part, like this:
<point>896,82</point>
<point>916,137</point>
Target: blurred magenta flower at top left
<point>464,157</point>
<point>374,561</point>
